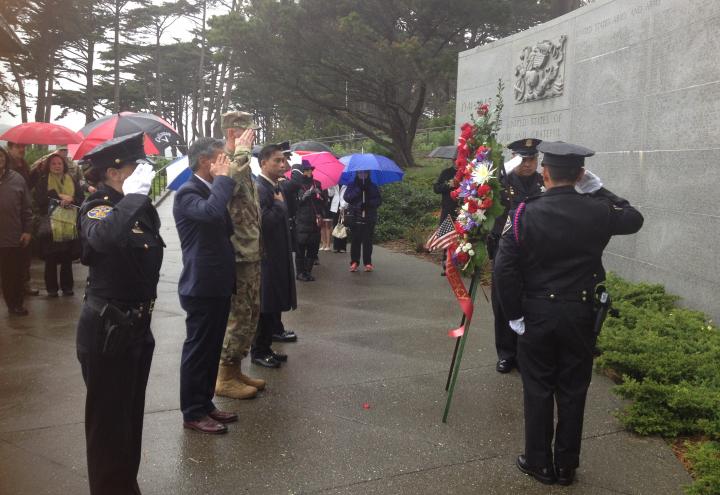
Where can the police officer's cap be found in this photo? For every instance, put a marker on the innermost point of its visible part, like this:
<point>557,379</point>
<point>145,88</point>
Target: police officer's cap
<point>561,154</point>
<point>525,147</point>
<point>238,120</point>
<point>115,153</point>
<point>285,147</point>
<point>306,165</point>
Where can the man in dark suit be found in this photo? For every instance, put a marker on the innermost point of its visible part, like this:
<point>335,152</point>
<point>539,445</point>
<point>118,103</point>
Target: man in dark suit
<point>277,279</point>
<point>548,270</point>
<point>444,185</point>
<point>520,183</point>
<point>207,280</point>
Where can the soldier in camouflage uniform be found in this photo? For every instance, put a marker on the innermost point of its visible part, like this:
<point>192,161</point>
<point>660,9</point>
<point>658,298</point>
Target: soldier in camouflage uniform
<point>245,305</point>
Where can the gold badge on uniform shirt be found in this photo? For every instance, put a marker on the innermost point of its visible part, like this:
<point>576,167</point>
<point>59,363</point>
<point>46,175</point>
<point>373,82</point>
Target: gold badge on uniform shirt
<point>99,212</point>
<point>136,229</point>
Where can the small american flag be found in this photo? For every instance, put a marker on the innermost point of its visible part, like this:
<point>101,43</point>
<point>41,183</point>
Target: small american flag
<point>443,236</point>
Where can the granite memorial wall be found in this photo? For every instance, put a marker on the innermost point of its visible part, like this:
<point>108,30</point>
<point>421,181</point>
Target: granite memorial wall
<point>639,82</point>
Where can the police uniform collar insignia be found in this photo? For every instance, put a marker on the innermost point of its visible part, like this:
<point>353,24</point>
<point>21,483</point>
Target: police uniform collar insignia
<point>136,229</point>
<point>99,212</point>
<point>508,225</point>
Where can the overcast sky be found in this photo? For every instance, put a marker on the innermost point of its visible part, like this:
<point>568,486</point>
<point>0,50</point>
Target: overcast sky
<point>75,121</point>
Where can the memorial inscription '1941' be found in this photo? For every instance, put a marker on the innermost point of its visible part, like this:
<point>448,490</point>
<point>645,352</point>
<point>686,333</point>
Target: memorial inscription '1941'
<point>539,74</point>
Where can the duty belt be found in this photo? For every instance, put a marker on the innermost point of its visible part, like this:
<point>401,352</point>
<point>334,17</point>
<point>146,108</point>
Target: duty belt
<point>143,309</point>
<point>579,295</point>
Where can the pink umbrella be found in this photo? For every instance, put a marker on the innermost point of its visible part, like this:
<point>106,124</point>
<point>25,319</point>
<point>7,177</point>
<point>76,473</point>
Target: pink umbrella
<point>41,133</point>
<point>327,168</point>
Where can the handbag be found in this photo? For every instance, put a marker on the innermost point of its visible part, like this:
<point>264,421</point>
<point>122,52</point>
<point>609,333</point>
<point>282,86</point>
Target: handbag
<point>340,231</point>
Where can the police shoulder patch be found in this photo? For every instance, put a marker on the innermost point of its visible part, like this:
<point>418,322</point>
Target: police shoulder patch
<point>99,212</point>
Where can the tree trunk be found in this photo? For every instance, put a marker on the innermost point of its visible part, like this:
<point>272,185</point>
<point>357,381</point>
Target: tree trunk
<point>211,103</point>
<point>89,82</point>
<point>116,56</point>
<point>50,88</point>
<point>201,73</point>
<point>21,93</point>
<point>41,90</point>
<point>158,84</point>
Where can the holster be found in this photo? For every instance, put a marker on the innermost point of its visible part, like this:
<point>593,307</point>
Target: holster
<point>121,326</point>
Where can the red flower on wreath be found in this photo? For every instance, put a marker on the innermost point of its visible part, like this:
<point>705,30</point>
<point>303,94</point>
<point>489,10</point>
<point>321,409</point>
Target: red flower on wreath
<point>472,206</point>
<point>463,257</point>
<point>466,131</point>
<point>454,194</point>
<point>459,228</point>
<point>483,189</point>
<point>483,109</point>
<point>486,203</point>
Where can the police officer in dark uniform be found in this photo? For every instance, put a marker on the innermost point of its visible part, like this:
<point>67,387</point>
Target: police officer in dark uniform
<point>547,269</point>
<point>520,183</point>
<point>121,243</point>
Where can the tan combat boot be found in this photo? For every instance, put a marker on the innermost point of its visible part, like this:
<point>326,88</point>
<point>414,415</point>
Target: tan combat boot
<point>228,384</point>
<point>258,383</point>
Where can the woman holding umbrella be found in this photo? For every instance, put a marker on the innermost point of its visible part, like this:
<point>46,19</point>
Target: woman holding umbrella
<point>363,198</point>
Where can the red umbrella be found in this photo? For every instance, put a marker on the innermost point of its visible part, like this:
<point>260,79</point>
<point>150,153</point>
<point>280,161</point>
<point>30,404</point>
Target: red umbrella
<point>327,168</point>
<point>160,133</point>
<point>40,133</point>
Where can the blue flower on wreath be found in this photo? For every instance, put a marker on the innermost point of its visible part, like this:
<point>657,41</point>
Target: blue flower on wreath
<point>467,189</point>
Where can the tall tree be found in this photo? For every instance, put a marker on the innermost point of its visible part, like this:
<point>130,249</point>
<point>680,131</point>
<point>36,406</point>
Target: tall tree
<point>369,64</point>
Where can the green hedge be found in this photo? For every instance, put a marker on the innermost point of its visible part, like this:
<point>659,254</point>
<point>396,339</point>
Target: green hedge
<point>668,359</point>
<point>408,209</point>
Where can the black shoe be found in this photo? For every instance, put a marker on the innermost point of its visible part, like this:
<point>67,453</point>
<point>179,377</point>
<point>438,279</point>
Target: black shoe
<point>505,366</point>
<point>279,356</point>
<point>304,277</point>
<point>544,475</point>
<point>316,261</point>
<point>52,293</point>
<point>18,311</point>
<point>286,336</point>
<point>266,360</point>
<point>565,476</point>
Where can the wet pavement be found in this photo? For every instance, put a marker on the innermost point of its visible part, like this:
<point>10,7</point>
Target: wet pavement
<point>365,339</point>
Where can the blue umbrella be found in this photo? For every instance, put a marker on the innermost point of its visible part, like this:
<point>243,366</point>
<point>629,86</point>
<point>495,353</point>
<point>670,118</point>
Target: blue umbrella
<point>382,170</point>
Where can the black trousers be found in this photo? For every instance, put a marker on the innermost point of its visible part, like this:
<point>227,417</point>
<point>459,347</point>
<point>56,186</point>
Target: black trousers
<point>555,354</point>
<point>268,324</point>
<point>114,406</point>
<point>12,276</point>
<point>205,323</point>
<point>338,244</point>
<point>306,254</point>
<point>52,260</point>
<point>505,338</point>
<point>362,236</point>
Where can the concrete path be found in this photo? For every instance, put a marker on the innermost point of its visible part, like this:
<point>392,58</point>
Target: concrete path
<point>377,338</point>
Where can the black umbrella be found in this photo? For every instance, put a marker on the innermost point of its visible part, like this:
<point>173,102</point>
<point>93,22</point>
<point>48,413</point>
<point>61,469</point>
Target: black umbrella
<point>445,152</point>
<point>310,146</point>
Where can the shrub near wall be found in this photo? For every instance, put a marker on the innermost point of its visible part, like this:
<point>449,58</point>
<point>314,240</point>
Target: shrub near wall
<point>407,209</point>
<point>668,361</point>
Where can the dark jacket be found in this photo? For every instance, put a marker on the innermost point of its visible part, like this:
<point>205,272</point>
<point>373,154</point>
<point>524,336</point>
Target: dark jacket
<point>310,205</point>
<point>443,186</point>
<point>555,244</point>
<point>363,198</point>
<point>277,283</point>
<point>121,244</point>
<point>204,226</point>
<point>21,167</point>
<point>15,209</point>
<point>42,195</point>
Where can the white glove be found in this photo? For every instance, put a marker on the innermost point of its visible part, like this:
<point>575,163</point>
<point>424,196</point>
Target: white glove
<point>589,183</point>
<point>518,326</point>
<point>140,180</point>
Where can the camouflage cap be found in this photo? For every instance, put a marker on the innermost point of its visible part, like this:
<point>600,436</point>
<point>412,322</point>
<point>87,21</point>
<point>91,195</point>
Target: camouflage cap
<point>238,120</point>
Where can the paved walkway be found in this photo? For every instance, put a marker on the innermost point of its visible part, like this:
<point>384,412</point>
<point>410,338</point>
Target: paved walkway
<point>376,338</point>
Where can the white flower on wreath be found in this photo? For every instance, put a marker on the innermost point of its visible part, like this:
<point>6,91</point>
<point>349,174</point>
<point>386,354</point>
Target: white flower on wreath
<point>481,173</point>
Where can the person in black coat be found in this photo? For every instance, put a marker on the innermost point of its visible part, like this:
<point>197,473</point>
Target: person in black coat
<point>58,252</point>
<point>277,280</point>
<point>121,245</point>
<point>548,269</point>
<point>519,184</point>
<point>444,185</point>
<point>363,198</point>
<point>308,215</point>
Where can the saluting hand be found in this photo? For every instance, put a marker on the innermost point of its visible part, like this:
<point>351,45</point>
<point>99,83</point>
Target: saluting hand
<point>221,166</point>
<point>246,138</point>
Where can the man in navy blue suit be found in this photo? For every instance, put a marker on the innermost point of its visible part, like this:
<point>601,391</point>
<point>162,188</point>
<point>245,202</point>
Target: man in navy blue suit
<point>207,280</point>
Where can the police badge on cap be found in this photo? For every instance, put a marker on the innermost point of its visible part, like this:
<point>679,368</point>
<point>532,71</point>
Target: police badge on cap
<point>525,146</point>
